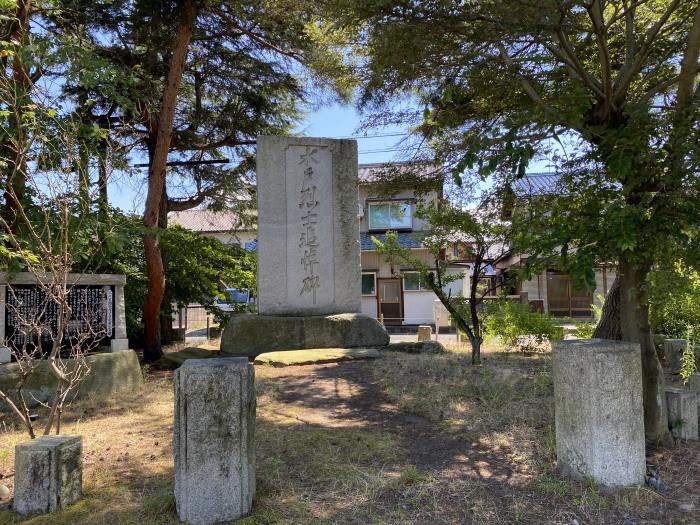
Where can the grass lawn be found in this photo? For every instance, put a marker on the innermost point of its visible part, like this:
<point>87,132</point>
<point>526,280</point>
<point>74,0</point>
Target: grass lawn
<point>399,439</point>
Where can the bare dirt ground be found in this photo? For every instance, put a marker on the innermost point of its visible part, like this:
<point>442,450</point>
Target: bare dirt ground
<point>415,439</point>
<point>349,395</point>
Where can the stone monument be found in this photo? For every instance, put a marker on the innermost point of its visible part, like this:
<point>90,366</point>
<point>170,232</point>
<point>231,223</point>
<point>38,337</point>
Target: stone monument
<point>100,294</point>
<point>309,277</point>
<point>48,474</point>
<point>599,417</point>
<point>682,408</point>
<point>214,440</point>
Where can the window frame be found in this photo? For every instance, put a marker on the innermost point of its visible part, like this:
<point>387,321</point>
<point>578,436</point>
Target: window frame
<point>374,287</point>
<point>391,226</point>
<point>421,286</point>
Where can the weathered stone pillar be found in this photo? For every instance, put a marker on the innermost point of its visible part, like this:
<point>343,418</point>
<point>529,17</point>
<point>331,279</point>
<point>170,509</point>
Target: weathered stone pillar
<point>599,415</point>
<point>214,440</point>
<point>424,333</point>
<point>48,474</point>
<point>673,349</point>
<point>3,293</point>
<point>120,341</point>
<point>682,412</point>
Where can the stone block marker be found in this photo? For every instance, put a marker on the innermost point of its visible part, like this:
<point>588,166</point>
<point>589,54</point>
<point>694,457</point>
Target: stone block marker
<point>308,229</point>
<point>598,411</point>
<point>682,413</point>
<point>425,332</point>
<point>214,440</point>
<point>673,349</point>
<point>48,474</point>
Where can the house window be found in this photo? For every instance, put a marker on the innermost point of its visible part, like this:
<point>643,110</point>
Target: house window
<point>413,282</point>
<point>390,216</point>
<point>369,284</point>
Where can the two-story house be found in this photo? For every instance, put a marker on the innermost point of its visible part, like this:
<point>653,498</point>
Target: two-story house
<point>395,292</point>
<point>553,291</point>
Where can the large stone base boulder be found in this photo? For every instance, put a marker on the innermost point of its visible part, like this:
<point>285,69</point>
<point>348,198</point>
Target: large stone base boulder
<point>250,335</point>
<point>110,373</point>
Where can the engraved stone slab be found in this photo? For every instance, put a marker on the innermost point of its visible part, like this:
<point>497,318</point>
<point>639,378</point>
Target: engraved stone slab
<point>308,229</point>
<point>214,440</point>
<point>48,474</point>
<point>598,410</point>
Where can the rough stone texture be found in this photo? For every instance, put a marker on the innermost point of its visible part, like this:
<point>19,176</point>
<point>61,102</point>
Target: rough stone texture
<point>214,440</point>
<point>315,356</point>
<point>48,474</point>
<point>110,373</point>
<point>598,411</point>
<point>422,347</point>
<point>659,344</point>
<point>673,349</point>
<point>119,313</point>
<point>682,412</point>
<point>251,335</point>
<point>117,345</point>
<point>5,355</point>
<point>173,360</point>
<point>308,229</point>
<point>694,383</point>
<point>424,333</point>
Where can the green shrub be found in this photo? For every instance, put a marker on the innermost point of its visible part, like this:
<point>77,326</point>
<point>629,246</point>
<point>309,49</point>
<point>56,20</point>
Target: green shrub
<point>674,301</point>
<point>519,327</point>
<point>584,330</point>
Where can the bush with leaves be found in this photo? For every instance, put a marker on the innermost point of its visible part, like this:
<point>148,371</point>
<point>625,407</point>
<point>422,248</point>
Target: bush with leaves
<point>675,300</point>
<point>198,267</point>
<point>519,327</point>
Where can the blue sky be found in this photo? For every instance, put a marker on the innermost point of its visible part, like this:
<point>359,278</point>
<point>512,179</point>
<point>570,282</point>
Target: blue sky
<point>336,121</point>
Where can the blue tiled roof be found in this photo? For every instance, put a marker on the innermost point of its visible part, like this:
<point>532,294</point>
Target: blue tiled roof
<point>407,240</point>
<point>534,184</point>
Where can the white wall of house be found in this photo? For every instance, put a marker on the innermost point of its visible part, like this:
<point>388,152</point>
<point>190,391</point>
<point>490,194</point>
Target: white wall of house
<point>418,306</point>
<point>369,305</point>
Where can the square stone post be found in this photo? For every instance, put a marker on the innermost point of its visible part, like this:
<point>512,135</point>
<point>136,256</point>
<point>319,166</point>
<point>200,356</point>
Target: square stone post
<point>48,474</point>
<point>598,411</point>
<point>120,341</point>
<point>214,440</point>
<point>673,349</point>
<point>5,354</point>
<point>682,412</point>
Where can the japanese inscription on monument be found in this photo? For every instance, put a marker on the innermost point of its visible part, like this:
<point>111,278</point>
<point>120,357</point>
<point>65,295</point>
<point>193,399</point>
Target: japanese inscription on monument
<point>314,196</point>
<point>308,229</point>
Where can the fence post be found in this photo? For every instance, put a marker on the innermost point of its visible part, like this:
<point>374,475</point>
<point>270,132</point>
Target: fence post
<point>207,326</point>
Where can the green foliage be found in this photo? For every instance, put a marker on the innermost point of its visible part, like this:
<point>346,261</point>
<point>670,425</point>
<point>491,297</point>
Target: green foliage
<point>198,267</point>
<point>674,300</point>
<point>689,361</point>
<point>584,330</point>
<point>518,326</point>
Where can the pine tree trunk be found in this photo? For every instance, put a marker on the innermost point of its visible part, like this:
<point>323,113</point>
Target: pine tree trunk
<point>156,180</point>
<point>609,324</point>
<point>18,87</point>
<point>634,323</point>
<point>166,315</point>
